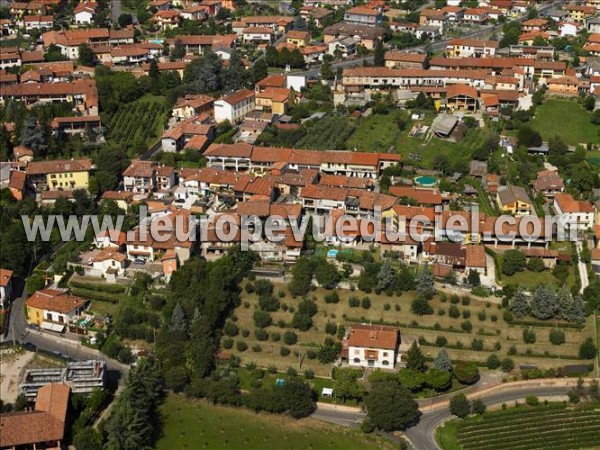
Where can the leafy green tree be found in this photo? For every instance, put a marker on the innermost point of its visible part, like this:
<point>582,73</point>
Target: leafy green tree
<point>420,306</point>
<point>439,380</point>
<point>87,438</point>
<point>492,362</point>
<point>86,55</point>
<point>297,396</point>
<point>346,385</point>
<point>460,406</point>
<point>390,406</point>
<point>466,372</point>
<point>478,406</point>
<point>412,379</point>
<point>301,277</point>
<point>556,337</point>
<point>327,274</point>
<point>473,278</point>
<point>386,276</point>
<point>125,20</point>
<point>513,262</point>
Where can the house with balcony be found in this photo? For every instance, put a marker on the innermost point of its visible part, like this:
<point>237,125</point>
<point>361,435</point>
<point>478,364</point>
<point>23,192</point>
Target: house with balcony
<point>373,346</point>
<point>51,306</point>
<point>548,183</point>
<point>578,214</point>
<point>140,177</point>
<point>514,200</point>
<point>362,15</point>
<point>59,174</point>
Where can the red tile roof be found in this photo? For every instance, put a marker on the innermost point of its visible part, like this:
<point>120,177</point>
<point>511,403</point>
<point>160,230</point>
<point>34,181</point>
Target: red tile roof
<point>59,166</point>
<point>373,336</point>
<point>54,300</point>
<point>5,276</point>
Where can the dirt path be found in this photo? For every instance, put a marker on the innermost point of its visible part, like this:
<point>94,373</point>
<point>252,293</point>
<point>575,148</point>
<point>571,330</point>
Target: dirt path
<point>11,365</point>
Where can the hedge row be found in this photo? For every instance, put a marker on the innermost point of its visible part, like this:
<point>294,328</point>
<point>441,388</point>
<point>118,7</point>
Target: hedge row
<point>109,288</point>
<point>95,295</point>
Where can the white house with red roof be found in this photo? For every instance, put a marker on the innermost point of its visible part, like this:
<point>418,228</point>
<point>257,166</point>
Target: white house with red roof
<point>577,213</point>
<point>374,346</point>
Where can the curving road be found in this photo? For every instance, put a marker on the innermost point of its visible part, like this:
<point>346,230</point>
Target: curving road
<point>422,435</point>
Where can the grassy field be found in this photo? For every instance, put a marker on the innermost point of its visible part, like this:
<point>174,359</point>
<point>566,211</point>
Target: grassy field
<point>375,133</point>
<point>197,425</point>
<point>525,428</point>
<point>567,119</point>
<point>531,280</point>
<point>486,320</point>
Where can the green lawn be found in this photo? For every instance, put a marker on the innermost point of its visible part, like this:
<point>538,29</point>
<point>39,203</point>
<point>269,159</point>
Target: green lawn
<point>375,133</point>
<point>197,425</point>
<point>446,436</point>
<point>567,119</point>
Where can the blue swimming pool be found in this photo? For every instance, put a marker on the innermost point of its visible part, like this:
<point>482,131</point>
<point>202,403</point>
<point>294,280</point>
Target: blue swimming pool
<point>426,180</point>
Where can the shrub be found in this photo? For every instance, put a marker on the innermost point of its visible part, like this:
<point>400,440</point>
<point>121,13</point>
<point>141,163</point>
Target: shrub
<point>453,312</point>
<point>466,372</point>
<point>532,400</point>
<point>466,313</point>
<point>353,301</point>
<point>441,341</point>
<point>262,319</point>
<point>309,374</point>
<point>477,344</point>
<point>478,406</point>
<point>332,297</point>
<point>460,406</point>
<point>387,307</point>
<point>330,328</point>
<point>261,334</point>
<point>454,299</point>
<point>284,351</point>
<point>256,348</point>
<point>441,311</point>
<point>466,326</point>
<point>227,343</point>
<point>290,338</point>
<point>421,307</point>
<point>481,316</point>
<point>249,288</point>
<point>507,365</point>
<point>275,337</point>
<point>311,354</point>
<point>557,337</point>
<point>588,350</point>
<point>466,301</point>
<point>397,307</point>
<point>268,303</point>
<point>301,321</point>
<point>492,362</point>
<point>231,329</point>
<point>365,303</point>
<point>245,333</point>
<point>529,336</point>
<point>241,346</point>
<point>494,318</point>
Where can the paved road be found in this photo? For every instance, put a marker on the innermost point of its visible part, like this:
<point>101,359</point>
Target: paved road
<point>422,435</point>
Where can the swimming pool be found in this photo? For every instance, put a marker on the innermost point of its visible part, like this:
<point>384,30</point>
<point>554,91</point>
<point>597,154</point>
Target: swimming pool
<point>426,180</point>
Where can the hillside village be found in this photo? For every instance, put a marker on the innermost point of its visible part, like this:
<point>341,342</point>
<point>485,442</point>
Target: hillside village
<point>438,119</point>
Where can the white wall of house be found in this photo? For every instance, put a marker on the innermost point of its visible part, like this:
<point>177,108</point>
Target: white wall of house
<point>371,357</point>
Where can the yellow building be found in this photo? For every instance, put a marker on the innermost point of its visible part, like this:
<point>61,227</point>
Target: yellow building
<point>53,306</point>
<point>273,100</point>
<point>514,200</point>
<point>60,174</point>
<point>298,38</point>
<point>579,13</point>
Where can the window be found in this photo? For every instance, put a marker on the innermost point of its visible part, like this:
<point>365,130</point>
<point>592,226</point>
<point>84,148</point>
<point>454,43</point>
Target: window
<point>357,360</point>
<point>356,351</point>
<point>385,354</point>
<point>385,363</point>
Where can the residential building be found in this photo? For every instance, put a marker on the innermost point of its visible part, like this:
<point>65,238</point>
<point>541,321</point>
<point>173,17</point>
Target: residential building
<point>373,346</point>
<point>395,59</point>
<point>362,15</point>
<point>298,39</point>
<point>84,13</point>
<point>48,307</point>
<point>466,48</point>
<point>59,174</point>
<point>6,288</point>
<point>38,22</point>
<point>264,35</point>
<point>579,13</point>
<point>315,14</point>
<point>434,18</point>
<point>578,214</point>
<point>549,183</point>
<point>514,200</point>
<point>362,34</point>
<point>44,427</point>
<point>167,20</point>
<point>273,100</point>
<point>234,107</point>
<point>139,177</point>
